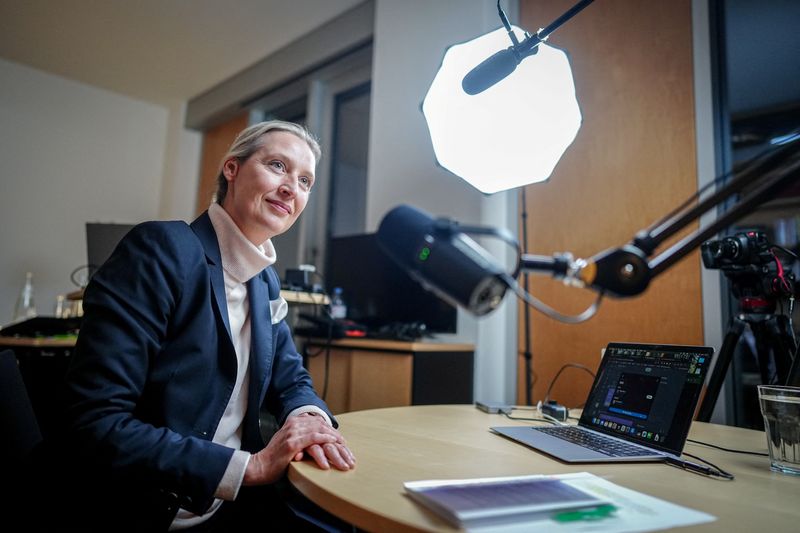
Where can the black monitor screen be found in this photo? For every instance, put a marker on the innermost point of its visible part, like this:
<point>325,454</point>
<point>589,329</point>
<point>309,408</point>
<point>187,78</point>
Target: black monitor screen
<point>101,239</point>
<point>377,292</point>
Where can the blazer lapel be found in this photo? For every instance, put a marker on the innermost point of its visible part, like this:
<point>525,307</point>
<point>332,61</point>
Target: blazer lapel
<point>204,230</point>
<point>260,342</point>
<point>260,359</point>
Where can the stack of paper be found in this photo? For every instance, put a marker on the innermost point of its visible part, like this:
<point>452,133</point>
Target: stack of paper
<point>579,502</point>
<point>472,503</point>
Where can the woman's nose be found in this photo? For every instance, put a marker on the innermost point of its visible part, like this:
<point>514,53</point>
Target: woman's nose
<point>288,188</point>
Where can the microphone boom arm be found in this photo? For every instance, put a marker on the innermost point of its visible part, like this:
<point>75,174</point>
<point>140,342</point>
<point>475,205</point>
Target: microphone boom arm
<point>528,46</point>
<point>627,270</point>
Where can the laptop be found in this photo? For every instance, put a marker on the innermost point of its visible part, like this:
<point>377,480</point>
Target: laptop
<point>639,408</point>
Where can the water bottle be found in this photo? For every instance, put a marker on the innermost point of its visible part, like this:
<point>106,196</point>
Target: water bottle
<point>25,307</point>
<point>338,307</point>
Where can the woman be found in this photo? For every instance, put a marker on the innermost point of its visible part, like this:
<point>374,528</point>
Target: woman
<point>183,341</point>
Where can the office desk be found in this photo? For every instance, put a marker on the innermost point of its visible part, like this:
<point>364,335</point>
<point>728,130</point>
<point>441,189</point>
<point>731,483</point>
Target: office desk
<point>372,373</point>
<point>452,441</point>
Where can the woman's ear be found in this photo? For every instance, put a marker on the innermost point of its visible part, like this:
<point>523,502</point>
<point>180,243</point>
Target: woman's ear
<point>230,168</point>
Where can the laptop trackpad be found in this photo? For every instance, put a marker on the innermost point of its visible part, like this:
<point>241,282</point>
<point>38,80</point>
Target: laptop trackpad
<point>560,448</point>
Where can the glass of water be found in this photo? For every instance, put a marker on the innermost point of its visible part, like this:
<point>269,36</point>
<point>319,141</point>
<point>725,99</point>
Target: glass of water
<point>781,409</point>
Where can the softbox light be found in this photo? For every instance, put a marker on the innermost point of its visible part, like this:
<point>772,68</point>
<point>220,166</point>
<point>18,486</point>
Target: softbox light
<point>511,134</point>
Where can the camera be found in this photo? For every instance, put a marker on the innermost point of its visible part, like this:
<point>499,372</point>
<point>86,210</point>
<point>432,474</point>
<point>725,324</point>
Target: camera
<point>748,261</point>
<point>741,249</point>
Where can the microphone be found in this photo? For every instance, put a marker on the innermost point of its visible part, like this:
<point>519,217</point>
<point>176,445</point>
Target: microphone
<point>500,64</point>
<point>503,63</point>
<point>442,259</point>
<point>491,70</point>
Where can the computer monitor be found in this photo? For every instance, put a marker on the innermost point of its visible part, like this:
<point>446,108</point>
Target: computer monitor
<point>101,239</point>
<point>378,293</point>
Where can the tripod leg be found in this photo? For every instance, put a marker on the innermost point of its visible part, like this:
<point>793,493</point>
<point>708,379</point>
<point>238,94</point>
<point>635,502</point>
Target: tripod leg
<point>794,372</point>
<point>783,348</point>
<point>720,369</point>
<point>766,352</point>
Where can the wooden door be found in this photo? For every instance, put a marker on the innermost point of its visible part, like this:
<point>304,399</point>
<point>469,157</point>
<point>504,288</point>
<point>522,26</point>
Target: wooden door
<point>632,162</point>
<point>216,142</point>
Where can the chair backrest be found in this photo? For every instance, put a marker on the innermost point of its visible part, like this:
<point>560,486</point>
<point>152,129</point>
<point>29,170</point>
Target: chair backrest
<point>19,429</point>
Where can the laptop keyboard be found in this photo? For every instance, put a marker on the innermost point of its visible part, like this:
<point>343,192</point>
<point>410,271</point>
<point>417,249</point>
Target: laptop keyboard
<point>594,442</point>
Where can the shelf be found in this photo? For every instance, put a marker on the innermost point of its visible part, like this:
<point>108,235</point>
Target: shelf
<point>309,298</point>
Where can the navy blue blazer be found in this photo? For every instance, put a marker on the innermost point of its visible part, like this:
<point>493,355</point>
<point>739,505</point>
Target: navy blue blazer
<point>154,367</point>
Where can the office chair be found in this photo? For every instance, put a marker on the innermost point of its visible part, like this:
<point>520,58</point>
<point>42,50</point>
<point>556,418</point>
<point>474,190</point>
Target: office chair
<point>21,436</point>
<point>18,424</point>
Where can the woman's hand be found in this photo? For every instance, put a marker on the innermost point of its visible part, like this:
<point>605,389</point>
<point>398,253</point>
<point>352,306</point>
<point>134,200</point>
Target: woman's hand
<point>300,434</point>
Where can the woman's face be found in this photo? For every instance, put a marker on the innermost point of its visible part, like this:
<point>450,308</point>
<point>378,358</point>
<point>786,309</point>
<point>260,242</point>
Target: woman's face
<point>268,191</point>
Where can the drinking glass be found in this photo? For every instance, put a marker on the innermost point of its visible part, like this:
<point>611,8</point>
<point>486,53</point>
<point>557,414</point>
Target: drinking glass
<point>781,409</point>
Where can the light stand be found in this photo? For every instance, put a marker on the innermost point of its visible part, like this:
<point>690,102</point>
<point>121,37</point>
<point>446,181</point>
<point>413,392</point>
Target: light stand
<point>527,355</point>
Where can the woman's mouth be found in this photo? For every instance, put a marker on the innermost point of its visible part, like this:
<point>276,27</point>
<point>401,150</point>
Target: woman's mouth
<point>280,206</point>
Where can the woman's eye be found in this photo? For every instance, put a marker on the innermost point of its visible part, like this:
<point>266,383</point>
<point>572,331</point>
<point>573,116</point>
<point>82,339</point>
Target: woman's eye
<point>305,181</point>
<point>277,165</point>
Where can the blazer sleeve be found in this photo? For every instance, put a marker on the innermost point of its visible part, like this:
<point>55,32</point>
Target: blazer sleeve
<point>128,307</point>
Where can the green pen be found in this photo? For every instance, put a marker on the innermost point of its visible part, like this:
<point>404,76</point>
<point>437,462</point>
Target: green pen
<point>592,513</point>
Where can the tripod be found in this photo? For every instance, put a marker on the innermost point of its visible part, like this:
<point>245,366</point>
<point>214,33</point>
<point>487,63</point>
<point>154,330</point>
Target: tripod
<point>772,336</point>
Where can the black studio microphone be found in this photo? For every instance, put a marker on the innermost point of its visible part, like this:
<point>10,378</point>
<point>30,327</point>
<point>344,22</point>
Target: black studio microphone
<point>490,71</point>
<point>443,259</point>
<point>503,63</point>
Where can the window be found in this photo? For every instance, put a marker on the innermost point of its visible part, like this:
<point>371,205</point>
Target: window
<point>333,102</point>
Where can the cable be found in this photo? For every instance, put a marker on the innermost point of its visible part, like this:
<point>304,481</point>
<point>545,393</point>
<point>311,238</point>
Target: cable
<point>450,227</point>
<point>322,294</point>
<point>542,307</point>
<point>719,472</point>
<point>785,250</point>
<point>327,310</point>
<point>322,307</point>
<point>731,450</point>
<point>553,420</point>
<point>81,283</point>
<point>560,370</point>
<point>327,349</point>
<point>699,469</point>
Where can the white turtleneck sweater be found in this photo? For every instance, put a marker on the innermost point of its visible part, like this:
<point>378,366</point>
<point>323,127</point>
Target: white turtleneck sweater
<point>241,260</point>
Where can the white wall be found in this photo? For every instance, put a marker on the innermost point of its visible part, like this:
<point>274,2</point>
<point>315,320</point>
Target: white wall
<point>410,40</point>
<point>71,154</point>
<point>409,43</point>
<point>181,168</point>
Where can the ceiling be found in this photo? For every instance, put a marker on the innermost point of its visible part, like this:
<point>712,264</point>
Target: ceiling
<point>160,51</point>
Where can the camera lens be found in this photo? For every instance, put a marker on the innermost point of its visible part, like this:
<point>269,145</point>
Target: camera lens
<point>744,249</point>
<point>728,248</point>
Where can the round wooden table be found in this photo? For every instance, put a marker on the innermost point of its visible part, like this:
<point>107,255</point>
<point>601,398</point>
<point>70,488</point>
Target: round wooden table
<point>400,444</point>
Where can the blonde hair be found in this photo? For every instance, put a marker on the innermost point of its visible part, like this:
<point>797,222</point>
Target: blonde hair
<point>250,140</point>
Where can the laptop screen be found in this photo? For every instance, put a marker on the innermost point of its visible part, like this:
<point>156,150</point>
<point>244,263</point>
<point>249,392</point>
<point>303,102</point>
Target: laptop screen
<point>647,393</point>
